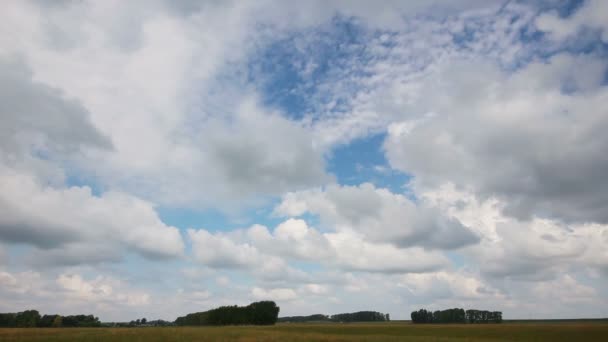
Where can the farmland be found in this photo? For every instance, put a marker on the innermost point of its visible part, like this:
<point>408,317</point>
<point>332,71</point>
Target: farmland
<point>392,331</point>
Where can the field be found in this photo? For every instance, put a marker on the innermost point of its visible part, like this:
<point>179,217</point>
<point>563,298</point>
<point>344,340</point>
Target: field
<point>394,331</point>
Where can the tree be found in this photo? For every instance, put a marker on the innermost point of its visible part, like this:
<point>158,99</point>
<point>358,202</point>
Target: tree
<point>143,320</point>
<point>361,316</point>
<point>57,321</point>
<point>300,319</point>
<point>27,319</point>
<point>456,315</point>
<point>46,321</point>
<point>259,313</point>
<point>7,319</point>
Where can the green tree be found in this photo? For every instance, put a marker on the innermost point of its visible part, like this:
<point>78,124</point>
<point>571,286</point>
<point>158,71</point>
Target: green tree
<point>57,321</point>
<point>27,319</point>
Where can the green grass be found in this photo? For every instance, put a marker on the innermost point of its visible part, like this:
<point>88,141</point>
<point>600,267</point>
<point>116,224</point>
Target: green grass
<point>396,331</point>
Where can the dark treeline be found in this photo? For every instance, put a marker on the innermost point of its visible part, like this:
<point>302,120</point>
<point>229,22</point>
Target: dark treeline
<point>32,319</point>
<point>139,323</point>
<point>361,316</point>
<point>303,319</point>
<point>456,315</point>
<point>258,313</point>
<point>481,316</point>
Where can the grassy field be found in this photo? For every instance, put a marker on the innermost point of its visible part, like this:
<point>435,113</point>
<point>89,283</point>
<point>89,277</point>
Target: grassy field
<point>592,331</point>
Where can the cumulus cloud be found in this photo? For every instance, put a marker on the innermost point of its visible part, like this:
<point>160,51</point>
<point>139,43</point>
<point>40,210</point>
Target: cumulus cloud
<point>71,293</point>
<point>263,152</point>
<point>533,138</point>
<point>525,250</point>
<point>278,294</point>
<point>448,285</point>
<point>38,117</point>
<point>262,251</point>
<point>379,215</point>
<point>98,289</point>
<point>356,254</point>
<point>228,251</point>
<point>220,251</point>
<point>182,139</point>
<point>292,238</point>
<point>75,219</point>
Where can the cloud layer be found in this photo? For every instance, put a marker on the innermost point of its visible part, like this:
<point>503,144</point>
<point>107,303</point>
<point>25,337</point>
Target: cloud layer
<point>165,157</point>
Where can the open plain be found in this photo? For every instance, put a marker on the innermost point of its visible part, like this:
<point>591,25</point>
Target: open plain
<point>393,331</point>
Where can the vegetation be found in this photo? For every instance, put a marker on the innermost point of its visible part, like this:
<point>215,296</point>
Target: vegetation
<point>361,316</point>
<point>32,319</point>
<point>376,331</point>
<point>25,319</point>
<point>456,316</point>
<point>305,319</point>
<point>258,313</point>
<point>138,323</point>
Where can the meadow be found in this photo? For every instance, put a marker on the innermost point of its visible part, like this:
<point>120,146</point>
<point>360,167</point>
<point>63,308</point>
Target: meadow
<point>392,331</point>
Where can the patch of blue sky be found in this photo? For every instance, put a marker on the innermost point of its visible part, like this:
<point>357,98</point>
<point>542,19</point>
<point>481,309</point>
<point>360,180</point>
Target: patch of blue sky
<point>16,253</point>
<point>290,72</point>
<point>312,221</point>
<point>458,261</point>
<point>185,218</point>
<point>363,161</point>
<point>586,41</point>
<point>214,220</point>
<point>80,179</point>
<point>73,177</point>
<point>307,266</point>
<point>564,8</point>
<point>537,45</point>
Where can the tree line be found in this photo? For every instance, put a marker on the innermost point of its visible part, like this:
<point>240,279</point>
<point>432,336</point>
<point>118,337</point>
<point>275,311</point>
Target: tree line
<point>258,313</point>
<point>32,319</point>
<point>360,316</point>
<point>456,315</point>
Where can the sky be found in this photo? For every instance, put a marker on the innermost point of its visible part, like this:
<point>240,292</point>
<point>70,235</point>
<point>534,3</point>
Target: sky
<point>165,157</point>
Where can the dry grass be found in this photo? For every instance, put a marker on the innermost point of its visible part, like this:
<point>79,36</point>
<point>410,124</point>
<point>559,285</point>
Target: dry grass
<point>323,332</point>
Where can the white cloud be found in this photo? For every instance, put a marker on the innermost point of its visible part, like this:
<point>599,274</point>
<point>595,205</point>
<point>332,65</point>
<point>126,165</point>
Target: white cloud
<point>155,105</point>
<point>75,219</point>
<point>533,139</point>
<point>70,293</point>
<point>292,238</point>
<point>278,294</point>
<point>567,288</point>
<point>591,14</point>
<point>315,289</point>
<point>266,254</point>
<point>40,118</point>
<point>386,83</point>
<point>221,251</point>
<point>356,254</point>
<point>379,215</point>
<point>185,138</point>
<point>525,250</point>
<point>448,285</point>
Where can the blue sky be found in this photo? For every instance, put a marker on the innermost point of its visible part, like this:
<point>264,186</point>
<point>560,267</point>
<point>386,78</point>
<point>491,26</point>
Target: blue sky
<point>331,156</point>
